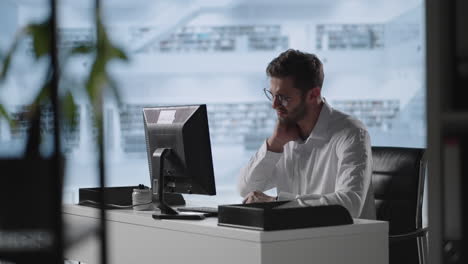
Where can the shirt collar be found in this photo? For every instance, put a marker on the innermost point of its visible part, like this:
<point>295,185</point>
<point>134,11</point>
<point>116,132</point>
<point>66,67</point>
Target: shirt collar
<point>320,130</point>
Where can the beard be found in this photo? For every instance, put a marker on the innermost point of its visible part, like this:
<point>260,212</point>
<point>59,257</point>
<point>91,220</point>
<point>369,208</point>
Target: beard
<point>296,114</point>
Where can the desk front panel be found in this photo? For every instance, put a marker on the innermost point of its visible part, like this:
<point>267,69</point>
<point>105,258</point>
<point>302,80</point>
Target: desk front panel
<point>138,239</point>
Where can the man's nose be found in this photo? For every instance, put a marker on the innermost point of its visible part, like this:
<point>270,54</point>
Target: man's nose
<point>276,102</point>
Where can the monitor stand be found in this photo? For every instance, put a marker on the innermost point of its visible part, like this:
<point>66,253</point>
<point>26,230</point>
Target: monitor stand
<point>167,212</point>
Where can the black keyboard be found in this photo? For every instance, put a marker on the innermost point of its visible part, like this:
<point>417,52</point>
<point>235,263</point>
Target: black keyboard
<point>212,211</point>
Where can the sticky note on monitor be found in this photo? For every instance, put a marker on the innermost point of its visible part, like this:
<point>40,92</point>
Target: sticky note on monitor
<point>166,117</point>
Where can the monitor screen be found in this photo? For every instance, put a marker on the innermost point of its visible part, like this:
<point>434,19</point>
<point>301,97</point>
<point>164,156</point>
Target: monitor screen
<point>179,150</point>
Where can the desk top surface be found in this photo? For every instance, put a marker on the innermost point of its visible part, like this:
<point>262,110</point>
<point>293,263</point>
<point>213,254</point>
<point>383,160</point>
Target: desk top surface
<point>209,226</point>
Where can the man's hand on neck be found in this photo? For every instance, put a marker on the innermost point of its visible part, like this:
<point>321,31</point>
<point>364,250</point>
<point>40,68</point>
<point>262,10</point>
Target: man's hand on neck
<point>283,133</point>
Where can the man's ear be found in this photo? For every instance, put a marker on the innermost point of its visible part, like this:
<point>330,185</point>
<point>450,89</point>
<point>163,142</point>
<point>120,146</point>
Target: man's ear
<point>313,93</point>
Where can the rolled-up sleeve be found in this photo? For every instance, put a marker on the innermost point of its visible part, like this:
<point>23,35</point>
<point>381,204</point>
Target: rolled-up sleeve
<point>260,173</point>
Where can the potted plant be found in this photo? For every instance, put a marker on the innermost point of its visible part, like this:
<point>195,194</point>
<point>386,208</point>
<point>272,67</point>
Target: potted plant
<point>31,185</point>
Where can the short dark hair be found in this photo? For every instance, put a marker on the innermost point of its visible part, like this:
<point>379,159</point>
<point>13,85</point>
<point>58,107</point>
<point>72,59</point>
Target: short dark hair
<point>305,69</point>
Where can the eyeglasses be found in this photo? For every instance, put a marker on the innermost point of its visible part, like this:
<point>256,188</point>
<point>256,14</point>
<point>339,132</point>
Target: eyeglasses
<point>281,98</point>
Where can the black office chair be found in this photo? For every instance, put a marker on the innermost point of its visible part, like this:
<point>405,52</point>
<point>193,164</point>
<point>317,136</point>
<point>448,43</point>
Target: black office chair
<point>398,176</point>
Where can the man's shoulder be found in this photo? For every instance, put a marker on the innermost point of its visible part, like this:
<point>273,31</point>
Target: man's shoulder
<point>346,130</point>
<point>341,122</point>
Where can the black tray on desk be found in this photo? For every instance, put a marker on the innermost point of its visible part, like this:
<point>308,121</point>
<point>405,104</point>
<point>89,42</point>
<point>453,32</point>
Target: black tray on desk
<point>120,196</point>
<point>264,216</point>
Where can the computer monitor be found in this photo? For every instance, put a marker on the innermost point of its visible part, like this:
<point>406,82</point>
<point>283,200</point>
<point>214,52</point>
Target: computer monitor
<point>179,154</point>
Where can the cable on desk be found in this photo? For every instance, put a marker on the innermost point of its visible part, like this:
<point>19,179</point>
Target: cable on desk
<point>115,206</point>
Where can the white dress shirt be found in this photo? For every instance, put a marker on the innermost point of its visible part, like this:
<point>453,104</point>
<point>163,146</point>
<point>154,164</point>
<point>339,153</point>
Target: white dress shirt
<point>332,166</point>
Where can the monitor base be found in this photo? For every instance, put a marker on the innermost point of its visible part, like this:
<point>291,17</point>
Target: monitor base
<point>172,199</point>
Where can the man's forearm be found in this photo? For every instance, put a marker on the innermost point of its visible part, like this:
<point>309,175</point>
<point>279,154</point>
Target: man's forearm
<point>259,173</point>
<point>350,200</point>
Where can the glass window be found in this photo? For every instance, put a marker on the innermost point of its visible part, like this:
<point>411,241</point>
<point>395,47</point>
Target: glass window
<point>216,52</point>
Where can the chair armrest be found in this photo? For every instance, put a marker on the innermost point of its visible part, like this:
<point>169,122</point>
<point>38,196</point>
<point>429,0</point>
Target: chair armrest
<point>414,234</point>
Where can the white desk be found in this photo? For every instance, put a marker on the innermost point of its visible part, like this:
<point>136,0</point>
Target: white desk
<point>136,238</point>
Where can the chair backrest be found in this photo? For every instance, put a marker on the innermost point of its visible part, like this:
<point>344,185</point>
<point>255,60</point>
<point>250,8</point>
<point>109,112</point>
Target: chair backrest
<point>398,176</point>
<point>398,181</point>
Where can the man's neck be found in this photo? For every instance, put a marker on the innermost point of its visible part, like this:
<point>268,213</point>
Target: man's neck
<point>308,123</point>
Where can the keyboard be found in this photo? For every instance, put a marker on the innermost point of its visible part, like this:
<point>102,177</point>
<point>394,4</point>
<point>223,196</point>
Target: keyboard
<point>211,211</point>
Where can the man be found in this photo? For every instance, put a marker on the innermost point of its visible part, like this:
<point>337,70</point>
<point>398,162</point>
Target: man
<point>316,155</point>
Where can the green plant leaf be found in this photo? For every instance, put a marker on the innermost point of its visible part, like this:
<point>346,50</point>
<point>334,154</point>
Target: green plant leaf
<point>6,66</point>
<point>118,53</point>
<point>83,49</point>
<point>115,90</point>
<point>34,114</point>
<point>69,109</point>
<point>6,62</point>
<point>4,113</point>
<point>111,51</point>
<point>98,77</point>
<point>108,50</point>
<point>41,37</point>
<point>40,98</point>
<point>95,80</point>
<point>44,93</point>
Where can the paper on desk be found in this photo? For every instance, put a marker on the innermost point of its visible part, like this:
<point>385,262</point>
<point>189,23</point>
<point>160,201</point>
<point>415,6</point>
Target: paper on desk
<point>191,213</point>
